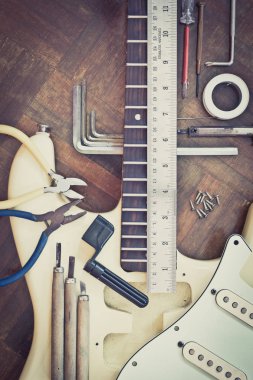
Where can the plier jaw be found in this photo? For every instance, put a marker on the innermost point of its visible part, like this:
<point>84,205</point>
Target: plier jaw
<point>55,219</point>
<point>61,185</point>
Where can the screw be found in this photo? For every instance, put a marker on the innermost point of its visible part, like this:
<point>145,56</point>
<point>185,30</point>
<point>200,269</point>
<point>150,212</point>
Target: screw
<point>198,196</point>
<point>199,214</point>
<point>203,213</point>
<point>202,197</point>
<point>206,207</point>
<point>209,196</point>
<point>192,206</point>
<point>217,199</point>
<point>43,128</point>
<point>210,203</point>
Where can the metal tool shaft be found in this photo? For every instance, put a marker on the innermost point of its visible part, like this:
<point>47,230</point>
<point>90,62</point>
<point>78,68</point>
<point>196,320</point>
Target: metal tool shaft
<point>70,318</point>
<point>201,6</point>
<point>232,38</point>
<point>217,131</point>
<point>57,340</point>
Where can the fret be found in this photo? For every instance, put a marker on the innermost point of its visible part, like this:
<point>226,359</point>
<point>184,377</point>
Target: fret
<point>135,145</point>
<point>134,223</point>
<point>134,230</point>
<point>135,179</point>
<point>133,209</point>
<point>136,64</point>
<point>133,195</point>
<point>136,107</point>
<point>134,260</point>
<point>137,16</point>
<point>137,41</point>
<point>135,126</point>
<point>133,249</point>
<point>137,52</point>
<point>135,162</point>
<point>134,237</point>
<point>136,86</point>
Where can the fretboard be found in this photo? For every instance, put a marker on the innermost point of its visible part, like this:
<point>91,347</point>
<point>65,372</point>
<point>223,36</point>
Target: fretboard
<point>134,185</point>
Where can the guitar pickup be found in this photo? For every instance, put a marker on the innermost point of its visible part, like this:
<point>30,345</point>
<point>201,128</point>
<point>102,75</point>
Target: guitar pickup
<point>211,363</point>
<point>235,305</point>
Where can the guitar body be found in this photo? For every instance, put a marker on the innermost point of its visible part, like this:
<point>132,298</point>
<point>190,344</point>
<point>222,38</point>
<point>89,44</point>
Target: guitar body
<point>117,327</point>
<point>209,337</point>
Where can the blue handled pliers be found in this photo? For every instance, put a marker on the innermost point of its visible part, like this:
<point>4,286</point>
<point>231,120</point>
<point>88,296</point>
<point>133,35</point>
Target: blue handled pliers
<point>53,220</point>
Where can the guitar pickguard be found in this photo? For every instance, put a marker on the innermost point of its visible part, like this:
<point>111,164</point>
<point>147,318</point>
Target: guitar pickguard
<point>209,341</point>
<point>116,326</point>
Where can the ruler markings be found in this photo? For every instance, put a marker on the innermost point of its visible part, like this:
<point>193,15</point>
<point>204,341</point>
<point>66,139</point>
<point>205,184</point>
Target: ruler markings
<point>162,147</point>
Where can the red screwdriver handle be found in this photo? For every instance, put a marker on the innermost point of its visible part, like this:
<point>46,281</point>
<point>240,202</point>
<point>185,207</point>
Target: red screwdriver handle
<point>186,54</point>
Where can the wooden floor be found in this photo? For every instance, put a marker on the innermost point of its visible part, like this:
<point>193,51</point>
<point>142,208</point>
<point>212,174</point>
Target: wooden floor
<point>47,46</point>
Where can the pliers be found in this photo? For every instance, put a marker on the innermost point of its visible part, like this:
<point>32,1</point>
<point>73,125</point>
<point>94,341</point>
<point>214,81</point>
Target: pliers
<point>59,184</point>
<point>53,220</point>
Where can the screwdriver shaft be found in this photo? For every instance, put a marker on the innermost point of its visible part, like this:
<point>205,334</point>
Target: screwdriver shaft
<point>201,6</point>
<point>185,80</point>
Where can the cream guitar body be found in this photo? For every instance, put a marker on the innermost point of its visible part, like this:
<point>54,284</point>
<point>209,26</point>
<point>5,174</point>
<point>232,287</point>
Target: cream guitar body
<point>214,339</point>
<point>117,327</point>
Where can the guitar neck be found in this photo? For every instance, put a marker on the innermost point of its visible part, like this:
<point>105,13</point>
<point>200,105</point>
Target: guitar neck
<point>134,176</point>
<point>150,144</point>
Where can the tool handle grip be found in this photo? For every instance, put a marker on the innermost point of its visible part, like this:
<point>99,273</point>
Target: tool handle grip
<point>22,199</point>
<point>82,347</point>
<point>186,54</point>
<point>24,139</point>
<point>36,254</point>
<point>116,283</point>
<point>70,310</point>
<point>57,339</point>
<point>19,214</point>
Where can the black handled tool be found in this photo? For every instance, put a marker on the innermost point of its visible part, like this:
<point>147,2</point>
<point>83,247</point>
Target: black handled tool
<point>97,235</point>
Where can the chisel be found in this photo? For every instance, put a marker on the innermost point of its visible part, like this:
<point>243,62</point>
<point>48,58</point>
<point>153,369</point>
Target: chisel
<point>216,131</point>
<point>82,365</point>
<point>57,339</point>
<point>70,317</point>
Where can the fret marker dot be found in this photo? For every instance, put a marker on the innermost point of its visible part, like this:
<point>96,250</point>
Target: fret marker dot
<point>137,116</point>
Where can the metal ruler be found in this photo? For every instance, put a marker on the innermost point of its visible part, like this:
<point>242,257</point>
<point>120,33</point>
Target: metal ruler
<point>162,145</point>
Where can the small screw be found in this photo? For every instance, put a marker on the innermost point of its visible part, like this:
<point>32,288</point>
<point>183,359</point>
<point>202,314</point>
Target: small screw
<point>199,194</point>
<point>209,196</point>
<point>210,203</point>
<point>213,291</point>
<point>202,197</point>
<point>206,207</point>
<point>203,213</point>
<point>192,206</point>
<point>217,199</point>
<point>199,214</point>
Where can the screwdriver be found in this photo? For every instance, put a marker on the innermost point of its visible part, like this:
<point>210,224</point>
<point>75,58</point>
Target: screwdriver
<point>201,6</point>
<point>187,18</point>
<point>217,131</point>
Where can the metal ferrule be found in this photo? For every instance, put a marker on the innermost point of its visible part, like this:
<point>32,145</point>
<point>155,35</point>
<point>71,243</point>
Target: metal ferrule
<point>70,281</point>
